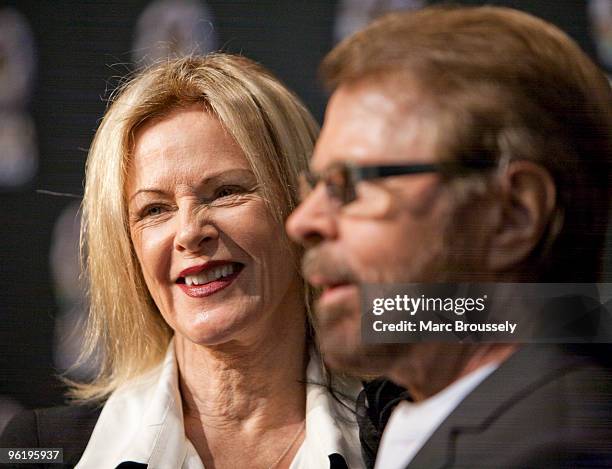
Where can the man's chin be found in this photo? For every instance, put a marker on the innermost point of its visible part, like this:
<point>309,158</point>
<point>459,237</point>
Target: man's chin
<point>339,336</point>
<point>347,354</point>
<point>342,354</point>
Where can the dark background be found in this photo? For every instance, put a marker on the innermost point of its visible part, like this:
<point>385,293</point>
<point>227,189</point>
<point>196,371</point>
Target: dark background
<point>81,46</point>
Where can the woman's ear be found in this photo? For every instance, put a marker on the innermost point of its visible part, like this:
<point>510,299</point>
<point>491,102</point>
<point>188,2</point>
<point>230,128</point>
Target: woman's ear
<point>527,201</point>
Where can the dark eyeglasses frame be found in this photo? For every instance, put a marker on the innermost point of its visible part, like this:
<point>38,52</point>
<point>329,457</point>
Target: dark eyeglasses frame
<point>350,175</point>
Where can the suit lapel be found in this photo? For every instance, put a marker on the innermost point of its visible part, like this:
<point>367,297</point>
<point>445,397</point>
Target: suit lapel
<point>519,376</point>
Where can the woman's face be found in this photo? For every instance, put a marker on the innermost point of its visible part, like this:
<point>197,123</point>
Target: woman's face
<point>210,252</point>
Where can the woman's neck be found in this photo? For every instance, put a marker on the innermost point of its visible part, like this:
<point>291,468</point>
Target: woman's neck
<point>235,383</point>
<point>237,396</point>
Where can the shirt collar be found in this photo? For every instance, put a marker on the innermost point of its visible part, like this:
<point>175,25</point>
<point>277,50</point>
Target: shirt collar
<point>142,422</point>
<point>330,427</point>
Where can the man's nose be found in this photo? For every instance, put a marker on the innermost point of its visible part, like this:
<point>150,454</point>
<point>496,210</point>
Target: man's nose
<point>194,229</point>
<point>313,220</point>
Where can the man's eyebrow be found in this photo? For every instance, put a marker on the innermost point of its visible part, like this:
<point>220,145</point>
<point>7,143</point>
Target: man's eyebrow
<point>329,166</point>
<point>220,176</point>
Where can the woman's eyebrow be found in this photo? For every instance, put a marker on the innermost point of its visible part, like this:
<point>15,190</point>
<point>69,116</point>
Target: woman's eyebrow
<point>230,175</point>
<point>146,190</point>
<point>234,175</point>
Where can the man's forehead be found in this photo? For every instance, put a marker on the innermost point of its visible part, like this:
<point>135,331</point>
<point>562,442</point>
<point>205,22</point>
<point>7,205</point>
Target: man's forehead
<point>371,123</point>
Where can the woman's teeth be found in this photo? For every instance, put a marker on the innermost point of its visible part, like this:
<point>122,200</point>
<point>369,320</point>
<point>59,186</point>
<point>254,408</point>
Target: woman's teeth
<point>210,276</point>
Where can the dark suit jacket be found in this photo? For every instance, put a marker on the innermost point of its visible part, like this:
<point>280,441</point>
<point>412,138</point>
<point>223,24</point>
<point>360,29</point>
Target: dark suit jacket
<point>546,406</point>
<point>66,427</point>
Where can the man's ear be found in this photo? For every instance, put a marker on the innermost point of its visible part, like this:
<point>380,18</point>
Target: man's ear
<point>527,202</point>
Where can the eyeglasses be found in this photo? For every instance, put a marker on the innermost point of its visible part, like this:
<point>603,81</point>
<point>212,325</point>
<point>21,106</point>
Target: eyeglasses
<point>341,179</point>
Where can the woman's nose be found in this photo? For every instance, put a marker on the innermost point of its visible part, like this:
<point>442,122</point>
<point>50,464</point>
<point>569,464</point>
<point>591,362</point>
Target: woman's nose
<point>194,230</point>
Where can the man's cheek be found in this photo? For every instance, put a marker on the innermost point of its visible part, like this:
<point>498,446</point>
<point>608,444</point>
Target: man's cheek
<point>374,257</point>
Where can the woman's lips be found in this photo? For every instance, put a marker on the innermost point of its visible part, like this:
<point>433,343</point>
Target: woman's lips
<point>211,287</point>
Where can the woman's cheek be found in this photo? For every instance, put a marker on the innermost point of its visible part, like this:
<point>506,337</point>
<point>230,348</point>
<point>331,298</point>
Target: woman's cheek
<point>153,246</point>
<point>253,227</point>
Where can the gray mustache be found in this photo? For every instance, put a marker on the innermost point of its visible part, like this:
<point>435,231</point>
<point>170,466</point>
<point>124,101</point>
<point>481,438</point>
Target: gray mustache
<point>319,261</point>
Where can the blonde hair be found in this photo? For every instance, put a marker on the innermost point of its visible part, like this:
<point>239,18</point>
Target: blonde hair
<point>276,134</point>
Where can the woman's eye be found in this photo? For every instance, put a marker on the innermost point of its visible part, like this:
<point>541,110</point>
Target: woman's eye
<point>226,191</point>
<point>153,211</point>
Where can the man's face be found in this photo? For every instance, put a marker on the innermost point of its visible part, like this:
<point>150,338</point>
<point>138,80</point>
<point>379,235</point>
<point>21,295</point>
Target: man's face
<point>395,230</point>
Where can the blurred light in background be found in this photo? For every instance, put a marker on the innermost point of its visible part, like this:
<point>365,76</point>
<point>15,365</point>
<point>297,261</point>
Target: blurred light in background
<point>70,294</point>
<point>355,14</point>
<point>600,12</point>
<point>18,149</point>
<point>173,28</point>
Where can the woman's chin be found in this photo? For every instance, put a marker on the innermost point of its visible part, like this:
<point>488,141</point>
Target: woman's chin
<point>212,328</point>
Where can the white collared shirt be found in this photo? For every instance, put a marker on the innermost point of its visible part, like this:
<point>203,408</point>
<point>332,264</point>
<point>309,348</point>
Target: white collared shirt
<point>411,424</point>
<point>142,421</point>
